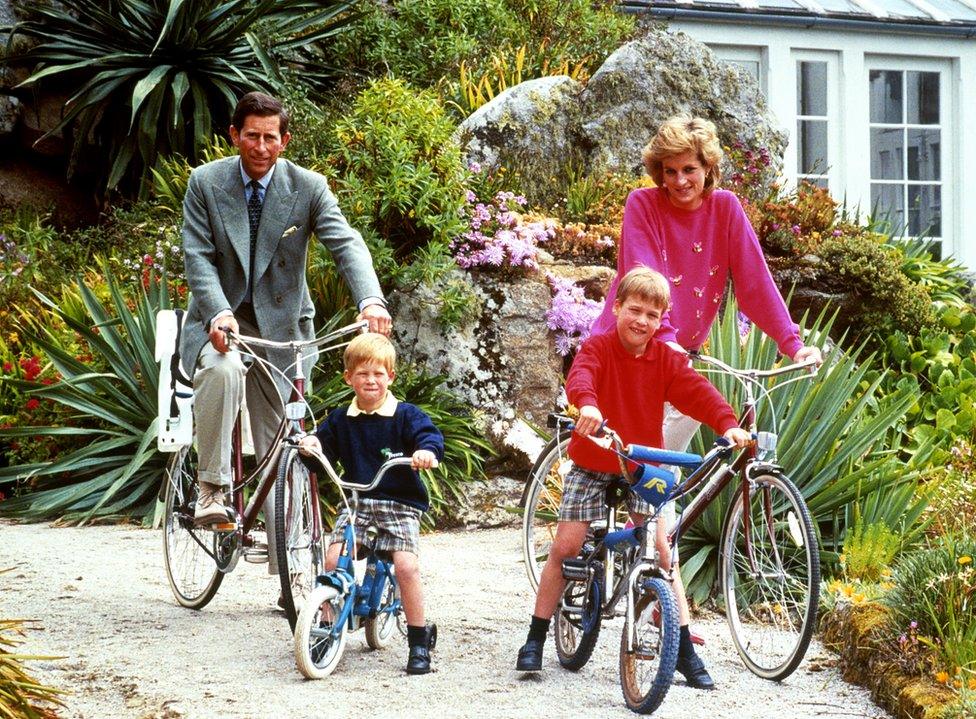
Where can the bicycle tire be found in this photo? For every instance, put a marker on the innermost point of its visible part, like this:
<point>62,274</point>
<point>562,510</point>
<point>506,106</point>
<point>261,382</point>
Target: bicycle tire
<point>771,612</point>
<point>577,624</point>
<point>380,628</point>
<point>540,505</point>
<point>193,573</point>
<point>646,672</point>
<point>317,653</point>
<point>298,543</point>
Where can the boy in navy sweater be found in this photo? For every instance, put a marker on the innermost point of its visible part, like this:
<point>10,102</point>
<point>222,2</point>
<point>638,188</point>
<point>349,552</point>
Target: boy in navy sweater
<point>373,428</point>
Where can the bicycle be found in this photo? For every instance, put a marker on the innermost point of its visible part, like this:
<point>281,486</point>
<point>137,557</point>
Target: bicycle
<point>626,561</point>
<point>769,557</point>
<point>198,558</point>
<point>356,593</point>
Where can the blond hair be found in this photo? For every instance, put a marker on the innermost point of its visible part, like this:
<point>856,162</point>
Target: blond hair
<point>680,134</point>
<point>648,284</point>
<point>369,347</point>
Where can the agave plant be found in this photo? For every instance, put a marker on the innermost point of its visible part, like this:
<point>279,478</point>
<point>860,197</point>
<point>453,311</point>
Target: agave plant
<point>157,77</point>
<point>119,470</point>
<point>836,435</point>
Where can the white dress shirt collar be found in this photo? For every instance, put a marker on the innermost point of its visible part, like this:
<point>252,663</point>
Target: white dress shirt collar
<point>387,409</point>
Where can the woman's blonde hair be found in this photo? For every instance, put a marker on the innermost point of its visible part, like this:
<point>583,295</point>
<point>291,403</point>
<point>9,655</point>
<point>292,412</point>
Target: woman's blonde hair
<point>680,134</point>
<point>369,347</point>
<point>650,285</point>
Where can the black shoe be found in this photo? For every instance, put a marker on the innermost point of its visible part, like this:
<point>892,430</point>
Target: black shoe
<point>419,660</point>
<point>530,657</point>
<point>693,669</point>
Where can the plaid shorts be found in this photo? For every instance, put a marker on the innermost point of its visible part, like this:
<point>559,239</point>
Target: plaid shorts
<point>398,525</point>
<point>585,496</point>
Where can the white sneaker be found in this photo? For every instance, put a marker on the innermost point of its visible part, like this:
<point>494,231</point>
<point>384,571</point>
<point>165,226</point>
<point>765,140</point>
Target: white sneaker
<point>210,507</point>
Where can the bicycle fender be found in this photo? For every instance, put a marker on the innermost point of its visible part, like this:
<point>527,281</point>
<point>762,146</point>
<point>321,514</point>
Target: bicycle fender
<point>755,468</point>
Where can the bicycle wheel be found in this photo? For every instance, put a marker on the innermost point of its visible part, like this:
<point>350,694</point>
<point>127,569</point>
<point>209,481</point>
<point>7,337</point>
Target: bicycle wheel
<point>647,671</point>
<point>540,502</point>
<point>578,620</point>
<point>770,583</point>
<point>187,550</point>
<point>298,542</point>
<point>380,628</point>
<point>318,648</point>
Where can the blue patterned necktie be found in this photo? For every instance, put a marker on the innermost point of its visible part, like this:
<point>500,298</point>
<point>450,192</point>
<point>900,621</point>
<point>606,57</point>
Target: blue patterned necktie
<point>254,220</point>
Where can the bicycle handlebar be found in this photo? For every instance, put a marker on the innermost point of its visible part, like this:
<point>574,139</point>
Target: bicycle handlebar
<point>753,373</point>
<point>355,486</point>
<point>361,326</point>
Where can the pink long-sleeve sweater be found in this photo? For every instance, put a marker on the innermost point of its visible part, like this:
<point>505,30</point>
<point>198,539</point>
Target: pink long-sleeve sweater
<point>696,250</point>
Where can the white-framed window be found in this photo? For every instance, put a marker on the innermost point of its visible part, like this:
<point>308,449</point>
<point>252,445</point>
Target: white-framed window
<point>750,60</point>
<point>812,122</point>
<point>908,112</point>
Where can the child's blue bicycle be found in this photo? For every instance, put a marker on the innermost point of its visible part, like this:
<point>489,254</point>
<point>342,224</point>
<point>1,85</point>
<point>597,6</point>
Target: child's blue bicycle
<point>359,592</point>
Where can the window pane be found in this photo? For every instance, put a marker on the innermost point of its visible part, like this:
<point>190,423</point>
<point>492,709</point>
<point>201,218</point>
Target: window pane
<point>923,97</point>
<point>924,155</point>
<point>886,95</point>
<point>925,210</point>
<point>747,67</point>
<point>811,148</point>
<point>888,205</point>
<point>887,154</point>
<point>811,88</point>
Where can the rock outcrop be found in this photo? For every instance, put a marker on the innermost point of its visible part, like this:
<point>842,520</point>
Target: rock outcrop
<point>543,128</point>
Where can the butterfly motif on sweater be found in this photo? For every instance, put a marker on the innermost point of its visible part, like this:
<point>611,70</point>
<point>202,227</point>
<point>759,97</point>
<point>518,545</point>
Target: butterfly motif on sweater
<point>699,291</point>
<point>696,246</point>
<point>676,280</point>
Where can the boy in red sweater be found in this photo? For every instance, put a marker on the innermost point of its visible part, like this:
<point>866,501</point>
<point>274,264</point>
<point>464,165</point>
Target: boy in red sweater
<point>624,378</point>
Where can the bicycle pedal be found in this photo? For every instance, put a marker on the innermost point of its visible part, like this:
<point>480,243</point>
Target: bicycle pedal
<point>256,556</point>
<point>575,570</point>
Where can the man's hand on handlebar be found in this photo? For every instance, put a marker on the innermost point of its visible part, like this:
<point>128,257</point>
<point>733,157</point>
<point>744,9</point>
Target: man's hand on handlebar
<point>377,316</point>
<point>738,436</point>
<point>218,333</point>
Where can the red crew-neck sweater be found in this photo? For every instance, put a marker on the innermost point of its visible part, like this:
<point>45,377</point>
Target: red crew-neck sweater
<point>630,393</point>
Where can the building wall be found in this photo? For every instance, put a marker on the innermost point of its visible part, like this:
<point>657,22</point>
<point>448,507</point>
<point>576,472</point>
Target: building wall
<point>851,57</point>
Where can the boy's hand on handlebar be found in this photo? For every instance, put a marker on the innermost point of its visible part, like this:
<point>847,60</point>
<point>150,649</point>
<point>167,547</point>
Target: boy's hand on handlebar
<point>738,436</point>
<point>589,421</point>
<point>218,333</point>
<point>423,459</point>
<point>309,444</point>
<point>808,354</point>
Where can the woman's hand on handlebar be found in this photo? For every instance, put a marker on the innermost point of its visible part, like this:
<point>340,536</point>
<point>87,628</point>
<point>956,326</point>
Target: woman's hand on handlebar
<point>808,354</point>
<point>423,459</point>
<point>738,436</point>
<point>589,421</point>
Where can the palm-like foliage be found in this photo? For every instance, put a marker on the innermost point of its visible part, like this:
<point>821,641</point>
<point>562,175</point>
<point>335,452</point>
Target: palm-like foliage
<point>835,435</point>
<point>119,470</point>
<point>156,77</point>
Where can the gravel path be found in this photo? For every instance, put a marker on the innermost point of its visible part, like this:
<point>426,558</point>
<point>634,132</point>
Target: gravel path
<point>103,603</point>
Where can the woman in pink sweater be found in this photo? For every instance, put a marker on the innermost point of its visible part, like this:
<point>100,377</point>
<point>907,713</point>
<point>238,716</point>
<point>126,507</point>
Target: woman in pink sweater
<point>696,235</point>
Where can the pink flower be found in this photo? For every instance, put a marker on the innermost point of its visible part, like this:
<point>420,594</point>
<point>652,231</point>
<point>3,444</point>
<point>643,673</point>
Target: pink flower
<point>33,403</point>
<point>147,260</point>
<point>8,367</point>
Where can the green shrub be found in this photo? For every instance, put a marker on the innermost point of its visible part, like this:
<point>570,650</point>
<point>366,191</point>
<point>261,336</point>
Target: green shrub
<point>941,362</point>
<point>153,79</point>
<point>952,500</point>
<point>883,298</point>
<point>426,41</point>
<point>398,172</point>
<point>945,280</point>
<point>868,550</point>
<point>935,588</point>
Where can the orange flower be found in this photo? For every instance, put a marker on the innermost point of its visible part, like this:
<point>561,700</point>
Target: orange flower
<point>942,677</point>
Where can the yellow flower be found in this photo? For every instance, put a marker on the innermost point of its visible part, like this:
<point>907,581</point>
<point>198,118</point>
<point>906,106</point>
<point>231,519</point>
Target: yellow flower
<point>942,677</point>
<point>965,559</point>
<point>858,598</point>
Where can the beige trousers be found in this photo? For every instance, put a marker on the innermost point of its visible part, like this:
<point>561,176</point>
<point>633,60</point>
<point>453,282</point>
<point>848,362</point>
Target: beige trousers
<point>218,388</point>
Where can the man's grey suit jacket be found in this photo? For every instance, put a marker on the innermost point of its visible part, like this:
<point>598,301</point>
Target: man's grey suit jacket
<point>216,245</point>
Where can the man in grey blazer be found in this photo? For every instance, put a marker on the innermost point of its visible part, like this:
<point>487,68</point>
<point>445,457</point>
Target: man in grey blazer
<point>247,222</point>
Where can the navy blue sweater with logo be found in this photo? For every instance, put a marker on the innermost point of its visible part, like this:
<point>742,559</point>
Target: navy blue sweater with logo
<point>363,442</point>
